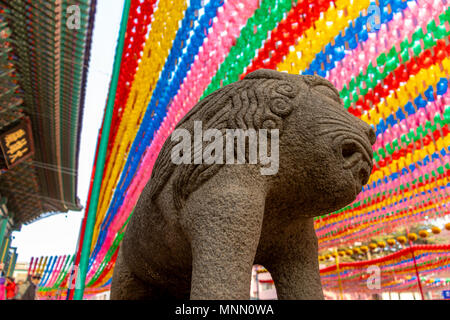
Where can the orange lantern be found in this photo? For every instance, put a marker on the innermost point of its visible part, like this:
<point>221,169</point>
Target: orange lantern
<point>447,226</point>
<point>381,244</point>
<point>412,236</point>
<point>423,233</point>
<point>390,242</point>
<point>435,230</point>
<point>401,239</point>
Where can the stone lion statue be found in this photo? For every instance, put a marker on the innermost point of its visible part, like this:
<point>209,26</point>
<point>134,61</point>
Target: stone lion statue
<point>198,228</point>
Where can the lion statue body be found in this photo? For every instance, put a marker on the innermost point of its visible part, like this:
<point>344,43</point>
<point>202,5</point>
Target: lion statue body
<point>198,228</point>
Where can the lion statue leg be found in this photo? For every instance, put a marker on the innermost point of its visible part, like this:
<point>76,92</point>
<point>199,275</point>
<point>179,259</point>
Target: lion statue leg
<point>224,236</point>
<point>126,286</point>
<point>293,263</point>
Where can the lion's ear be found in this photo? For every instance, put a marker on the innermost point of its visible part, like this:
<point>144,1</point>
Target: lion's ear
<point>266,74</point>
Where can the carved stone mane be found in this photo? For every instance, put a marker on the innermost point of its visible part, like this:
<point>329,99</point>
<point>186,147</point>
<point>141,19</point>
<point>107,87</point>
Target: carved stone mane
<point>260,101</point>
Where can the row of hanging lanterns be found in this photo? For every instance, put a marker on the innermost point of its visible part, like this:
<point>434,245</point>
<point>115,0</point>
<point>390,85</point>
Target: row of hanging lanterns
<point>382,244</point>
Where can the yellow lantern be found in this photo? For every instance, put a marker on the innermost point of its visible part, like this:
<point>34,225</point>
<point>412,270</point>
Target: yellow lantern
<point>327,257</point>
<point>341,253</point>
<point>401,239</point>
<point>423,233</point>
<point>372,246</point>
<point>349,252</point>
<point>381,244</point>
<point>364,249</point>
<point>435,230</point>
<point>390,242</point>
<point>321,258</point>
<point>412,236</point>
<point>356,250</point>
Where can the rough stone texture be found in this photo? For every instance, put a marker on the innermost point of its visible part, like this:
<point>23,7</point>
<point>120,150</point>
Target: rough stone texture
<point>197,230</point>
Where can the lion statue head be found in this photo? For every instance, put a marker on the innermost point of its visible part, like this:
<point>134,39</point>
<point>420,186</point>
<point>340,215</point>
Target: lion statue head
<point>325,153</point>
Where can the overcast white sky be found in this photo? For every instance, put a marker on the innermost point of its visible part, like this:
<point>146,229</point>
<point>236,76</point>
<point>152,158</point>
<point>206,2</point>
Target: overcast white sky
<point>58,235</point>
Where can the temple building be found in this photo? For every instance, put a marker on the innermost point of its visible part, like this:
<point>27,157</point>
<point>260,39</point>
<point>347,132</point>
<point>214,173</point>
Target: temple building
<point>44,58</point>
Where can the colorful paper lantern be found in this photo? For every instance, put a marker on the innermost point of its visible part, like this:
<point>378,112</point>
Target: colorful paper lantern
<point>412,236</point>
<point>400,89</point>
<point>435,230</point>
<point>390,242</point>
<point>401,239</point>
<point>423,233</point>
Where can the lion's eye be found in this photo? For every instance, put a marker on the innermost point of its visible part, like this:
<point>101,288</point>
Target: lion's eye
<point>328,92</point>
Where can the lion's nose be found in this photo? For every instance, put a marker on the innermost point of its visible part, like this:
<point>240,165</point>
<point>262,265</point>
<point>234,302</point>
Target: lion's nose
<point>371,135</point>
